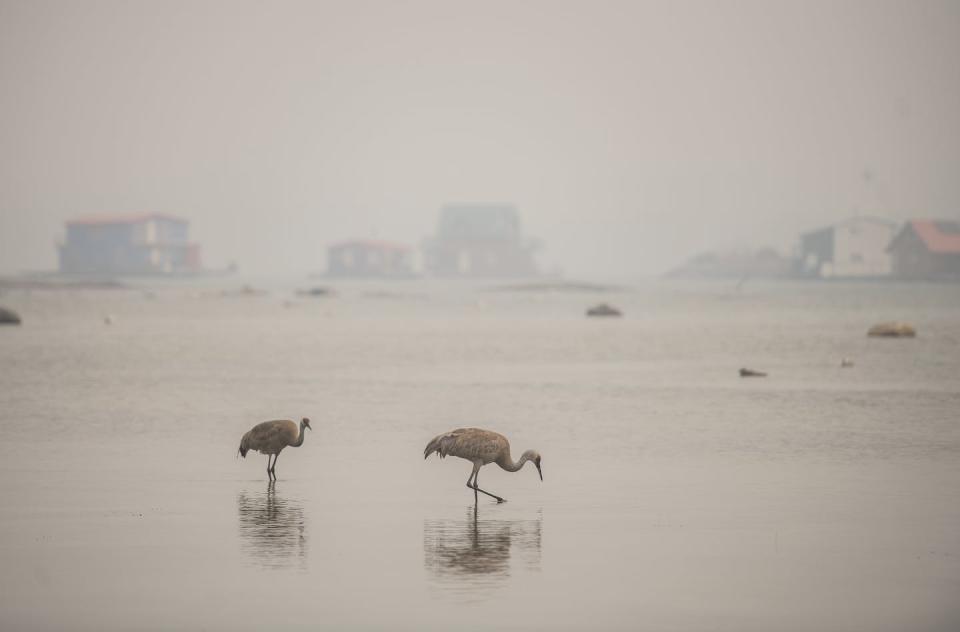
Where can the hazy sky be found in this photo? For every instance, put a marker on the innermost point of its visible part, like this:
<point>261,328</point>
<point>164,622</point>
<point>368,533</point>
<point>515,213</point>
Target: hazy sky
<point>630,135</point>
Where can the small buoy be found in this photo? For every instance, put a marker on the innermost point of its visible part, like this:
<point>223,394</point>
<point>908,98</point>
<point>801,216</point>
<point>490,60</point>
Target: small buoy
<point>892,330</point>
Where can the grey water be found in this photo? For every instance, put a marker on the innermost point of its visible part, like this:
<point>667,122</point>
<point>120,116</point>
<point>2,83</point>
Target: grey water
<point>676,495</point>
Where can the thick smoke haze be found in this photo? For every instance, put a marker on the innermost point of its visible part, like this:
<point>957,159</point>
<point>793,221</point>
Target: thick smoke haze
<point>629,135</point>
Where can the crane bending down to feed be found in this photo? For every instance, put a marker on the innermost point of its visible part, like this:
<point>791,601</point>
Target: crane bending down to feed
<point>480,447</point>
<point>270,437</point>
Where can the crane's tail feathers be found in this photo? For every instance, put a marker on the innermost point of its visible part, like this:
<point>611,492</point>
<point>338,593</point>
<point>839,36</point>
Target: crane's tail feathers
<point>430,449</point>
<point>439,444</point>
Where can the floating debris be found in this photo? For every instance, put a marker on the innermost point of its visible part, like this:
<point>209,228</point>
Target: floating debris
<point>249,290</point>
<point>245,290</point>
<point>316,291</point>
<point>846,363</point>
<point>751,373</point>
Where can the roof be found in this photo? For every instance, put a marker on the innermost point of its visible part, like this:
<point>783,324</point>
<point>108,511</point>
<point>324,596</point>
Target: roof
<point>369,244</point>
<point>100,220</point>
<point>860,219</point>
<point>941,236</point>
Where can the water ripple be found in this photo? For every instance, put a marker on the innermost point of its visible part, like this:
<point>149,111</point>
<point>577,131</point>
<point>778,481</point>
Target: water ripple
<point>273,529</point>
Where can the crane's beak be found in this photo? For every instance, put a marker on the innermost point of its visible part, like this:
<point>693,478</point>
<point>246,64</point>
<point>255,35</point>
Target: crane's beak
<point>539,471</point>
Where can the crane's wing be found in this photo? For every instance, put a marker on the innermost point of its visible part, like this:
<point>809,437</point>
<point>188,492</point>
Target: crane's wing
<point>270,435</point>
<point>468,443</point>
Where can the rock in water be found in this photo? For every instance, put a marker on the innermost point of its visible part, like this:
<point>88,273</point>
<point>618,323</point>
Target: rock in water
<point>9,317</point>
<point>603,310</point>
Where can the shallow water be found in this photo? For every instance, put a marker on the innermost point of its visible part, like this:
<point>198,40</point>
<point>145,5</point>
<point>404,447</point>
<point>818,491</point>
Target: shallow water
<point>676,495</point>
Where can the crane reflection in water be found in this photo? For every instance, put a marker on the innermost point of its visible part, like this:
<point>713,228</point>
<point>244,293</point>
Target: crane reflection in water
<point>273,529</point>
<point>476,552</point>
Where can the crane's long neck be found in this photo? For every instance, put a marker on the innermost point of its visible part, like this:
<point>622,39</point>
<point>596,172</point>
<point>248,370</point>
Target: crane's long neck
<point>303,432</point>
<point>508,464</point>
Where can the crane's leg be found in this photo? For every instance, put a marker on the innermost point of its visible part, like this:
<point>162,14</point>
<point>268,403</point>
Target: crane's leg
<point>269,468</point>
<point>473,474</point>
<point>276,456</point>
<point>477,489</point>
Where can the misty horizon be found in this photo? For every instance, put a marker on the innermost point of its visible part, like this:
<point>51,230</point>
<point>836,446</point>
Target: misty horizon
<point>629,136</point>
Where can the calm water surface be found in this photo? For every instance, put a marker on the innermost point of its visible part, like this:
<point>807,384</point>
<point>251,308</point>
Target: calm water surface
<point>676,495</point>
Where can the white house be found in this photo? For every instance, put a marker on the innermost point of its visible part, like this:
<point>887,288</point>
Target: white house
<point>855,248</point>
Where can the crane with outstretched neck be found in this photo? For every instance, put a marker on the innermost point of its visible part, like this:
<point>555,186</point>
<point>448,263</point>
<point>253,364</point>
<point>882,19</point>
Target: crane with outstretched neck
<point>480,447</point>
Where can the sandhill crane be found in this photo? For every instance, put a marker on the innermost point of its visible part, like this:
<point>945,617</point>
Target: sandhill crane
<point>480,447</point>
<point>270,437</point>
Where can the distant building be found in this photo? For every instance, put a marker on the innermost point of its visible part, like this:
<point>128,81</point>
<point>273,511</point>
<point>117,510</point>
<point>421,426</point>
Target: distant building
<point>474,240</point>
<point>765,263</point>
<point>369,259</point>
<point>927,249</point>
<point>853,248</point>
<point>150,244</point>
